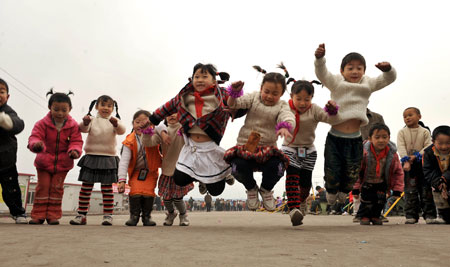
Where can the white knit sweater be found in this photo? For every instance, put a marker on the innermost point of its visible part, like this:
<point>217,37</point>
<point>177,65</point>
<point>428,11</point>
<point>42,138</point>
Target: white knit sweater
<point>410,140</point>
<point>262,119</point>
<point>352,98</point>
<point>101,139</point>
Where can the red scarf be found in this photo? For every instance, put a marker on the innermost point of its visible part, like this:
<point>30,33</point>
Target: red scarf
<point>199,100</point>
<point>297,119</point>
<point>383,153</point>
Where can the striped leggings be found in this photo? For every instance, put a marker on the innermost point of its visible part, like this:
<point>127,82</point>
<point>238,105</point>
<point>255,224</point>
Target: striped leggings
<point>85,197</point>
<point>298,185</point>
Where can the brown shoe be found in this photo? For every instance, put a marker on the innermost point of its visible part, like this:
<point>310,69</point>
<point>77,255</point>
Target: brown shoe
<point>376,221</point>
<point>364,221</point>
<point>52,222</point>
<point>36,221</point>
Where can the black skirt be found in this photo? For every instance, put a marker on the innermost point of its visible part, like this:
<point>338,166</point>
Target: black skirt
<point>98,169</point>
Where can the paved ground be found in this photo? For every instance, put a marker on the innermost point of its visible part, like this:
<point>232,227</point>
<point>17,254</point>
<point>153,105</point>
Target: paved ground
<point>226,239</point>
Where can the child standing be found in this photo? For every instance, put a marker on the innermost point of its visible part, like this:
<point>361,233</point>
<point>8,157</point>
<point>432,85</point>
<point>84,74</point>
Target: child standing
<point>10,125</point>
<point>300,149</point>
<point>256,149</point>
<point>142,165</point>
<point>436,161</point>
<point>100,162</point>
<point>411,141</point>
<point>57,141</point>
<point>351,90</point>
<point>381,172</point>
<point>201,109</point>
<point>170,192</point>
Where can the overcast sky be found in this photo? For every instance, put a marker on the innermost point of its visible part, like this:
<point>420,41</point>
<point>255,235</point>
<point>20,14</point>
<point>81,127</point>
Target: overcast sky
<point>142,52</point>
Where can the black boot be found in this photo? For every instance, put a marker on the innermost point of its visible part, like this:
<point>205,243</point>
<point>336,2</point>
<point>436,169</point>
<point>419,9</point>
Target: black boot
<point>147,207</point>
<point>135,210</point>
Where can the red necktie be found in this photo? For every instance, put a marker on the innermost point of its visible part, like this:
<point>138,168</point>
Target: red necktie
<point>297,119</point>
<point>378,157</point>
<point>199,100</point>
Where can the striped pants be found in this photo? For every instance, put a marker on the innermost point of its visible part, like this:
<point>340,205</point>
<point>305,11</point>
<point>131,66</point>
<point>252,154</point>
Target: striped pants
<point>85,197</point>
<point>48,196</point>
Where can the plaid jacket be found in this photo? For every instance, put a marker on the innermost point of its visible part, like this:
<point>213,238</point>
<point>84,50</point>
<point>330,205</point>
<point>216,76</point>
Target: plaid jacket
<point>213,124</point>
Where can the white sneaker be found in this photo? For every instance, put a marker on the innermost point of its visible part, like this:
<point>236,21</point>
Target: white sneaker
<point>268,200</point>
<point>184,220</point>
<point>107,220</point>
<point>202,188</point>
<point>296,217</point>
<point>170,217</point>
<point>230,180</point>
<point>253,202</point>
<point>439,220</point>
<point>431,221</point>
<point>80,219</point>
<point>20,219</point>
<point>331,198</point>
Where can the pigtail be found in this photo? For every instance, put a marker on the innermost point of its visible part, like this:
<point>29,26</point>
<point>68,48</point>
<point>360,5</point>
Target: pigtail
<point>291,80</point>
<point>223,77</point>
<point>70,93</point>
<point>283,67</point>
<point>50,92</point>
<point>315,82</point>
<point>91,106</point>
<point>117,109</point>
<point>259,69</point>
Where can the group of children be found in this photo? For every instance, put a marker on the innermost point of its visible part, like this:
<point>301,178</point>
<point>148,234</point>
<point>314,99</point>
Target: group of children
<point>187,148</point>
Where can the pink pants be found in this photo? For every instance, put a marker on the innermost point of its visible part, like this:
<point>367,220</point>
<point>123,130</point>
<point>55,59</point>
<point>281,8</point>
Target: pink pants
<point>48,196</point>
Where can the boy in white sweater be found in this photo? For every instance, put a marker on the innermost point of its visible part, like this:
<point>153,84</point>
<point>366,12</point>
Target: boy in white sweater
<point>351,90</point>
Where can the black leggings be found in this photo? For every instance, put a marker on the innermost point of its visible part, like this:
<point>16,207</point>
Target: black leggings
<point>182,179</point>
<point>242,170</point>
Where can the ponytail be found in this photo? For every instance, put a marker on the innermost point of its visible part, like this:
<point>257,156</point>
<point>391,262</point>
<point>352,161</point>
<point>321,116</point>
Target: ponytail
<point>259,69</point>
<point>283,67</point>
<point>91,106</point>
<point>117,109</point>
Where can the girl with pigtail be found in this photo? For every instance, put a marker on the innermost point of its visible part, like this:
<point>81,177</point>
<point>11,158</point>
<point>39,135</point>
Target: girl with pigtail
<point>201,107</point>
<point>56,139</point>
<point>100,162</point>
<point>300,148</point>
<point>267,118</point>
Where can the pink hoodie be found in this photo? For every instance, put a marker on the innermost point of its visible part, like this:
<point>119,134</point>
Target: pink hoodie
<point>57,144</point>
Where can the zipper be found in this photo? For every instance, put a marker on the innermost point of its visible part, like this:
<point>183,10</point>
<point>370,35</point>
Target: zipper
<point>57,147</point>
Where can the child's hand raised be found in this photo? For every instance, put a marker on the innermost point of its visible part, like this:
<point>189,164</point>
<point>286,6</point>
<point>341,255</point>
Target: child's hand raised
<point>320,51</point>
<point>331,107</point>
<point>113,121</point>
<point>86,120</point>
<point>284,133</point>
<point>384,66</point>
<point>237,86</point>
<point>73,154</point>
<point>38,147</point>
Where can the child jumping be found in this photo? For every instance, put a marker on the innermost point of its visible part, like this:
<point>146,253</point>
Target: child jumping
<point>268,117</point>
<point>141,163</point>
<point>351,90</point>
<point>411,141</point>
<point>10,126</point>
<point>170,192</point>
<point>436,161</point>
<point>300,149</point>
<point>201,109</point>
<point>100,162</point>
<point>57,141</point>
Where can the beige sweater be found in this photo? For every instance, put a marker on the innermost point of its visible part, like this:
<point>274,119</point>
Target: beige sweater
<point>352,98</point>
<point>307,127</point>
<point>410,140</point>
<point>262,119</point>
<point>170,152</point>
<point>210,104</point>
<point>101,139</point>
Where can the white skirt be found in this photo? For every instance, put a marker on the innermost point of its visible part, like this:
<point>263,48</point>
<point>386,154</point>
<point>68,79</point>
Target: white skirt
<point>203,161</point>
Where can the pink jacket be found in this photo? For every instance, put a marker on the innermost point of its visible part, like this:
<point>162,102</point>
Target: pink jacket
<point>57,145</point>
<point>393,169</point>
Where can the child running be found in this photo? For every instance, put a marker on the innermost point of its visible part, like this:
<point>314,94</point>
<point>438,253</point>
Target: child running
<point>100,162</point>
<point>268,117</point>
<point>10,126</point>
<point>436,161</point>
<point>170,192</point>
<point>351,90</point>
<point>381,172</point>
<point>201,109</point>
<point>141,163</point>
<point>57,141</point>
<point>411,141</point>
<point>300,149</point>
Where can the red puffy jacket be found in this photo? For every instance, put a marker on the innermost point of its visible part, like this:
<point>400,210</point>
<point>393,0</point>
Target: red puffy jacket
<point>57,145</point>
